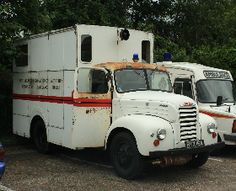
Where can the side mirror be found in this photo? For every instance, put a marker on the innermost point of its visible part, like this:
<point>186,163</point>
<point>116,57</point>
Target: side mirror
<point>219,101</point>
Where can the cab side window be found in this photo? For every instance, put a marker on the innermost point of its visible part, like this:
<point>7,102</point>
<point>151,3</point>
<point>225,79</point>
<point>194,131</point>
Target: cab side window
<point>146,51</point>
<point>99,82</point>
<point>183,87</point>
<point>92,81</point>
<point>234,90</point>
<point>178,86</point>
<point>22,55</point>
<point>86,48</point>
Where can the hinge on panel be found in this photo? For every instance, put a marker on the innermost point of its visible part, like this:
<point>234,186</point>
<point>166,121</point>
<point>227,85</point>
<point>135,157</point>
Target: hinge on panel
<point>76,62</point>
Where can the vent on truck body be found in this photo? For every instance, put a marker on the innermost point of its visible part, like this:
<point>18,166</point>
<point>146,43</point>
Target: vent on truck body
<point>188,123</point>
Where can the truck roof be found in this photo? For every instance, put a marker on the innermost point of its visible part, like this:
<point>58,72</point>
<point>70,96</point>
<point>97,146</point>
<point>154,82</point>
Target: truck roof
<point>71,28</point>
<point>188,66</point>
<point>136,65</point>
<point>197,69</point>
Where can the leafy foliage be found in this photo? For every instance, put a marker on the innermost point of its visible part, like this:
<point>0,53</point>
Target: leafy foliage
<point>218,56</point>
<point>165,45</point>
<point>192,30</point>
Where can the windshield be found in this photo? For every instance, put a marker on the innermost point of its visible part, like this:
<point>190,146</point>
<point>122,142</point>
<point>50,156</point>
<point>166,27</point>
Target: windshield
<point>209,90</point>
<point>141,79</point>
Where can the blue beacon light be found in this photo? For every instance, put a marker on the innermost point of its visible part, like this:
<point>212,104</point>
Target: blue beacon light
<point>167,56</point>
<point>135,56</point>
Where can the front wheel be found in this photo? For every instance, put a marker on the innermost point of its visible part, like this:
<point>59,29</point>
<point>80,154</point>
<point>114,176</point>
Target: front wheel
<point>125,156</point>
<point>198,160</point>
<point>217,152</point>
<point>40,137</point>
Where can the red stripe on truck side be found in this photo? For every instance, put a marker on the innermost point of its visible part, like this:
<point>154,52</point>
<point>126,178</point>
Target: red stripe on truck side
<point>89,100</point>
<point>79,102</point>
<point>217,115</point>
<point>92,104</point>
<point>42,98</point>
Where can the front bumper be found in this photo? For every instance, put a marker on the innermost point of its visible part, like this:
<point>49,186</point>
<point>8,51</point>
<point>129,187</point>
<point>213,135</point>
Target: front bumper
<point>184,151</point>
<point>230,137</point>
<point>2,168</point>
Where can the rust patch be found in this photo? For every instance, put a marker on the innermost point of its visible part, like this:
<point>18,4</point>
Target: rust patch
<point>77,95</point>
<point>91,111</point>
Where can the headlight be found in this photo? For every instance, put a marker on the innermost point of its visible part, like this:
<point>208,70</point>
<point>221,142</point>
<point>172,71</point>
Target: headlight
<point>161,134</point>
<point>211,128</point>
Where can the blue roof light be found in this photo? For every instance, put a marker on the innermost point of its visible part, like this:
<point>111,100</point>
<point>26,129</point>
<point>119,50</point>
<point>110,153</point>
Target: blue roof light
<point>135,56</point>
<point>167,56</point>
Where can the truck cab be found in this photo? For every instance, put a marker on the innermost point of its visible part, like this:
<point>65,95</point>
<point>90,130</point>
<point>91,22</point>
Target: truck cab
<point>140,118</point>
<point>212,89</point>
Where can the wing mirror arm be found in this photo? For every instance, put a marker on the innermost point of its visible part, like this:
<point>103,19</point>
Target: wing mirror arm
<point>219,100</point>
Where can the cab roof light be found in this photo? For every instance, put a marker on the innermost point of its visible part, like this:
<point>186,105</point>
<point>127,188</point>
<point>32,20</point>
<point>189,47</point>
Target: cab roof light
<point>167,56</point>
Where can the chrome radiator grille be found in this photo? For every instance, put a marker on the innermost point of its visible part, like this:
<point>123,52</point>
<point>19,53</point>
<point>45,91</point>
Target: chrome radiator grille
<point>188,123</point>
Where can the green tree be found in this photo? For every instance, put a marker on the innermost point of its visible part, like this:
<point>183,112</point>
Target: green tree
<point>218,56</point>
<point>19,18</point>
<point>163,45</point>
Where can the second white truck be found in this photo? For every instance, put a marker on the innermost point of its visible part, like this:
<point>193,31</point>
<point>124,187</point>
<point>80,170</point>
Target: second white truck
<point>212,89</point>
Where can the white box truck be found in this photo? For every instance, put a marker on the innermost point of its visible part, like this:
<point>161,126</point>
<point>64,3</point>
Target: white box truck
<point>212,89</point>
<point>63,97</point>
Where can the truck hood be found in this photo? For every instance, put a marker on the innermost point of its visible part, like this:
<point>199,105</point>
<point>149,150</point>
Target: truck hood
<point>159,96</point>
<point>162,104</point>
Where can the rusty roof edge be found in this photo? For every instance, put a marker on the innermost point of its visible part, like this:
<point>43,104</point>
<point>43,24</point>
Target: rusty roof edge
<point>123,65</point>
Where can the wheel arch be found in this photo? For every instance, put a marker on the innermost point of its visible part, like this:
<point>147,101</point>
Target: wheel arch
<point>116,131</point>
<point>143,129</point>
<point>32,123</point>
<point>219,139</point>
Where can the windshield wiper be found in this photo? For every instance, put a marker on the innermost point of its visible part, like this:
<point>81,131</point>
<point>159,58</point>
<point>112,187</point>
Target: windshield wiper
<point>140,74</point>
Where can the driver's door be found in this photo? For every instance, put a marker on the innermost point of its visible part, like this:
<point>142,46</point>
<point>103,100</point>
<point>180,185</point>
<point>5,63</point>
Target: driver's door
<point>92,107</point>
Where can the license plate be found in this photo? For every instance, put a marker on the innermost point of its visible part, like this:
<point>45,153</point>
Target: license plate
<point>194,144</point>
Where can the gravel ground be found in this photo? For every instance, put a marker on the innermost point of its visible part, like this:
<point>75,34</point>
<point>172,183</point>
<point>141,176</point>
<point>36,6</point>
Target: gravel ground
<point>90,170</point>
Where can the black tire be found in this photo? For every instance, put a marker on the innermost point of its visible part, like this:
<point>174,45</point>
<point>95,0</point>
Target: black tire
<point>198,160</point>
<point>125,157</point>
<point>217,152</point>
<point>40,137</point>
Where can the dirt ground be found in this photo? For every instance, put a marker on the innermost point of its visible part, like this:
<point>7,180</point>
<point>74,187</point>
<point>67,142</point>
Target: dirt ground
<point>91,170</point>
